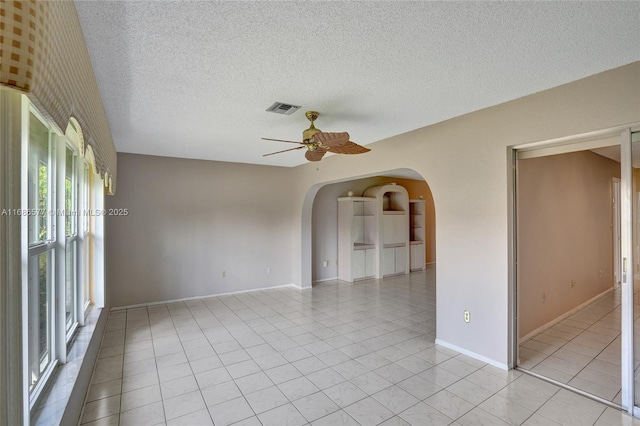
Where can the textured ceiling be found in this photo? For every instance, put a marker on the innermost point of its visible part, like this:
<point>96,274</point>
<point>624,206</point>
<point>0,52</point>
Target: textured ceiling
<point>193,79</point>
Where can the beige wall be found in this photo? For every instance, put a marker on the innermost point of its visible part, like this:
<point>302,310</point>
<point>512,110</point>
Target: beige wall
<point>464,161</point>
<point>191,220</point>
<point>325,220</point>
<point>565,220</point>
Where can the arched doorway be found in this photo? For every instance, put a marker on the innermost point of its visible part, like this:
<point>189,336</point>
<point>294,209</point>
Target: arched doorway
<point>324,247</point>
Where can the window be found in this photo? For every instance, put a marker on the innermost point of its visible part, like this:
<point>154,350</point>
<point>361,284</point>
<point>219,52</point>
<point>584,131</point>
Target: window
<point>58,219</point>
<point>41,280</point>
<point>84,217</point>
<point>71,241</point>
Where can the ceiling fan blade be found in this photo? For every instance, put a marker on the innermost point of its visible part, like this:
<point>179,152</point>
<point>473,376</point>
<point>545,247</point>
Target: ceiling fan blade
<point>315,155</point>
<point>280,140</point>
<point>349,148</point>
<point>331,139</point>
<point>284,150</point>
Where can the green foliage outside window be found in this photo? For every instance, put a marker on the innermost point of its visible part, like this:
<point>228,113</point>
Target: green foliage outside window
<point>43,194</point>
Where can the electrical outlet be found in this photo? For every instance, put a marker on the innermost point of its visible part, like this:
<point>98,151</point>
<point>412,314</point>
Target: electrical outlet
<point>573,283</point>
<point>325,263</point>
<point>268,269</point>
<point>224,274</point>
<point>467,316</point>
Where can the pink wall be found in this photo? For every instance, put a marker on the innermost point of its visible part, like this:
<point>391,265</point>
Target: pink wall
<point>564,234</point>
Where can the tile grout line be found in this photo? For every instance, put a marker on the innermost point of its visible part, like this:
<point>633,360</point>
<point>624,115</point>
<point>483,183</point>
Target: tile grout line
<point>333,305</point>
<point>572,339</point>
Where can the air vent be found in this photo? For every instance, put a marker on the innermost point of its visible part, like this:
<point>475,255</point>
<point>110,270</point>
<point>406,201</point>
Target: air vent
<point>281,108</point>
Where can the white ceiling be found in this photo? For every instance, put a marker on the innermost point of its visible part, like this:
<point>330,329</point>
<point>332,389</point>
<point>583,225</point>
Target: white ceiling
<point>193,79</point>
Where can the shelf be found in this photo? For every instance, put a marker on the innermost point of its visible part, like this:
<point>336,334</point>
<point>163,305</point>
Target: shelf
<point>416,243</point>
<point>362,199</point>
<point>392,245</point>
<point>374,228</point>
<point>363,246</point>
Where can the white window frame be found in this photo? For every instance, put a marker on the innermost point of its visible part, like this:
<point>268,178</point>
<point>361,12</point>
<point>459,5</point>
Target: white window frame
<point>70,240</point>
<point>88,269</point>
<point>83,282</point>
<point>35,249</point>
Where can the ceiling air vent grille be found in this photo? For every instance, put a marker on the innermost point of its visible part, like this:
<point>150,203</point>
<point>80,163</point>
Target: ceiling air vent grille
<point>282,108</point>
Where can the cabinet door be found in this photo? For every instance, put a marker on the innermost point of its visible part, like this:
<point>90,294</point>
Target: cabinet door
<point>388,261</point>
<point>401,260</point>
<point>370,262</point>
<point>417,257</point>
<point>358,264</point>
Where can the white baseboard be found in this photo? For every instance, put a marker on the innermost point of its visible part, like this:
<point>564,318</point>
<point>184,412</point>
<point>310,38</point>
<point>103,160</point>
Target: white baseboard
<point>183,299</point>
<point>326,279</point>
<point>563,316</point>
<point>479,357</point>
<point>297,287</point>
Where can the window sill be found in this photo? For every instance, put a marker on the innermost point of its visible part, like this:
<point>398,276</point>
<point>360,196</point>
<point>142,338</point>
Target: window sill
<point>55,398</point>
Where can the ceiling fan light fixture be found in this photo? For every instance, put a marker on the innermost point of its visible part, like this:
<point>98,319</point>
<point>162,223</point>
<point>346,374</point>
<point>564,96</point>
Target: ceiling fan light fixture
<point>318,143</point>
<point>308,134</point>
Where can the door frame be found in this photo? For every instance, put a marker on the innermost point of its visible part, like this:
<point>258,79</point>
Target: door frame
<point>589,140</point>
<point>628,216</point>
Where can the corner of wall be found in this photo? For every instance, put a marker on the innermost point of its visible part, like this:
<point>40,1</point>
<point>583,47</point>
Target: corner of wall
<point>474,355</point>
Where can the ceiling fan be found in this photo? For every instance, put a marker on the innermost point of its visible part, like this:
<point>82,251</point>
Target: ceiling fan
<point>319,143</point>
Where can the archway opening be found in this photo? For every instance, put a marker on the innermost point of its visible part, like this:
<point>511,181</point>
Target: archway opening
<point>324,218</point>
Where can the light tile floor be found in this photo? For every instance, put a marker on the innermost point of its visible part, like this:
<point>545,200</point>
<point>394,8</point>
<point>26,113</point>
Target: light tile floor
<point>338,354</point>
<point>582,351</point>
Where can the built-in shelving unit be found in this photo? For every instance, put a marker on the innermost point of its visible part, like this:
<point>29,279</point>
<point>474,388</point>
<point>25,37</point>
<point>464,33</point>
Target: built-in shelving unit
<point>392,212</point>
<point>417,235</point>
<point>357,238</point>
<point>376,233</point>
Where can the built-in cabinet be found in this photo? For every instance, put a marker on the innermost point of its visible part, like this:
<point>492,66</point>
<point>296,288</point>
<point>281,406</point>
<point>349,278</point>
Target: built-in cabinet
<point>357,238</point>
<point>376,234</point>
<point>394,260</point>
<point>417,235</point>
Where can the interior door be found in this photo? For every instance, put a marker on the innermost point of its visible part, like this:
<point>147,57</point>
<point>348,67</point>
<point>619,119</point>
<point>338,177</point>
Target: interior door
<point>630,248</point>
